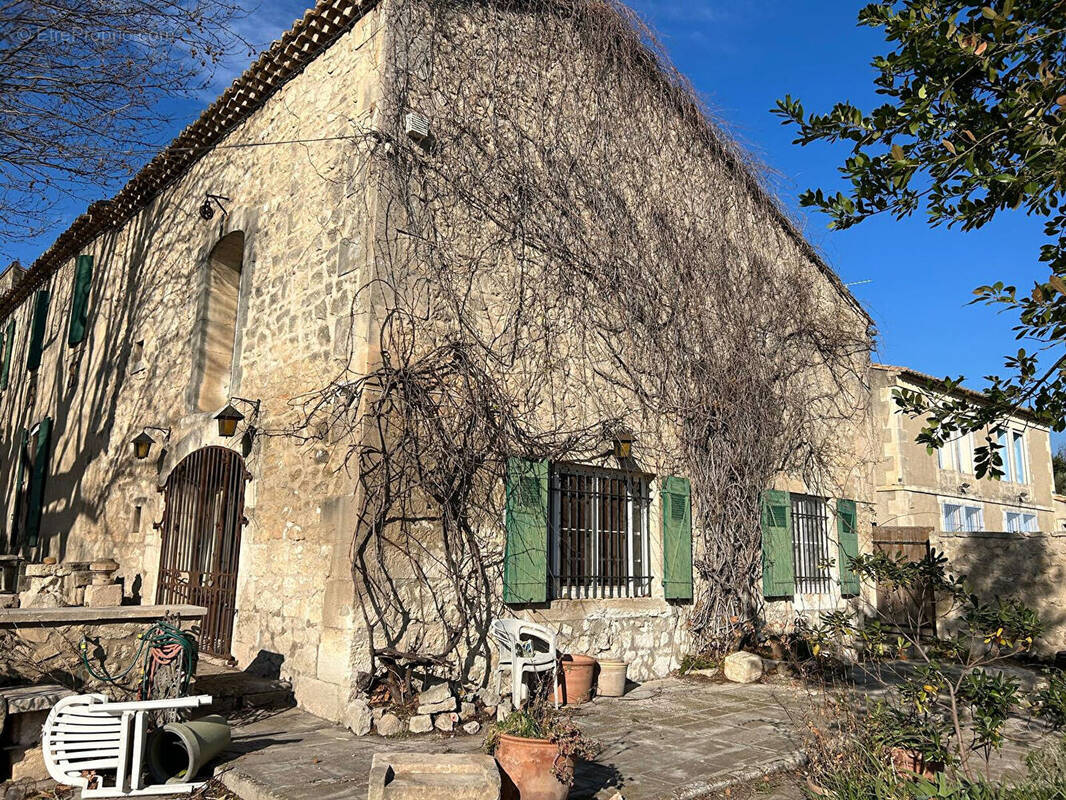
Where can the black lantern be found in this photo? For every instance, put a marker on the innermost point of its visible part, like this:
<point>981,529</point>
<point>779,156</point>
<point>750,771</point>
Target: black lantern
<point>623,442</point>
<point>142,444</point>
<point>227,421</point>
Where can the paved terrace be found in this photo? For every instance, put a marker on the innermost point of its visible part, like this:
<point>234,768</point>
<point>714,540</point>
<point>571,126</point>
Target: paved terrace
<point>674,739</point>
<point>666,739</point>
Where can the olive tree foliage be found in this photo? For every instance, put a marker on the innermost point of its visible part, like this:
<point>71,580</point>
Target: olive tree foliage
<point>973,125</point>
<point>82,85</point>
<point>576,248</point>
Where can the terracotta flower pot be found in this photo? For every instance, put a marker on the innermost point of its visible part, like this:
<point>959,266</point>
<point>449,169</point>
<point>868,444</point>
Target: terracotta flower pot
<point>912,762</point>
<point>612,679</point>
<point>527,765</point>
<point>575,680</point>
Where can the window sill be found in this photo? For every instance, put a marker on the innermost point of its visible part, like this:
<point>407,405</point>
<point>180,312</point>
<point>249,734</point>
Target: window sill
<point>564,610</point>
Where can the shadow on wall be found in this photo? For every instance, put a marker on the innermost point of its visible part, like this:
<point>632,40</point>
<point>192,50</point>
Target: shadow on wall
<point>79,387</point>
<point>1029,567</point>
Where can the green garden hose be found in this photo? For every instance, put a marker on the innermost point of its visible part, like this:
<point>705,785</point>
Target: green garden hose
<point>161,645</point>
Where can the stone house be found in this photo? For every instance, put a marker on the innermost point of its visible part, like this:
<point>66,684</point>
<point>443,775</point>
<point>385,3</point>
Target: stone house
<point>1003,535</point>
<point>939,490</point>
<point>206,377</point>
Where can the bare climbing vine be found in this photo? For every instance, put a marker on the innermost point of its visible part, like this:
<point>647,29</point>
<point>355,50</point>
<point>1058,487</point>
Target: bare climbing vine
<point>577,247</point>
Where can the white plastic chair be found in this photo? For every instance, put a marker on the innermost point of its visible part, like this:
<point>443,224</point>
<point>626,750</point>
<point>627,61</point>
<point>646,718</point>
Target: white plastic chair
<point>87,734</point>
<point>517,641</point>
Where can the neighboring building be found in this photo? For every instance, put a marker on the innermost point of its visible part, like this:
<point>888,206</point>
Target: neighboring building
<point>1060,511</point>
<point>939,490</point>
<point>1005,537</point>
<point>244,276</point>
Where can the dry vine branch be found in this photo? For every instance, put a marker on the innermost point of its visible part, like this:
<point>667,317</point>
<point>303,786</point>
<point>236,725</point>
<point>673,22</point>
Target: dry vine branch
<point>578,247</point>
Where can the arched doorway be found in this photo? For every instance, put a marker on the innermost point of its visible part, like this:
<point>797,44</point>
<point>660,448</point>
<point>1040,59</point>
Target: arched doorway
<point>202,524</point>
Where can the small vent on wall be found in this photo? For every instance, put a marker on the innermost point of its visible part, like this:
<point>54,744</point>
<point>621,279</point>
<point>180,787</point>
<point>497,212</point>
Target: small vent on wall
<point>416,127</point>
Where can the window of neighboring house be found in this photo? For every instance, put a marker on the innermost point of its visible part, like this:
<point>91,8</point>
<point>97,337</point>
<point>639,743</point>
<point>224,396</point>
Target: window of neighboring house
<point>1020,522</point>
<point>599,533</point>
<point>957,454</point>
<point>810,542</point>
<point>1021,467</point>
<point>960,518</point>
<point>1013,453</point>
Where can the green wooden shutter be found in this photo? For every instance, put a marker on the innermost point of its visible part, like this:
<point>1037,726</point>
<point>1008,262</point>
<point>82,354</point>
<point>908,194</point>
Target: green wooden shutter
<point>677,538</point>
<point>848,545</point>
<point>20,484</point>
<point>40,325</point>
<point>35,498</point>
<point>525,563</point>
<point>9,347</point>
<point>79,301</point>
<point>778,570</point>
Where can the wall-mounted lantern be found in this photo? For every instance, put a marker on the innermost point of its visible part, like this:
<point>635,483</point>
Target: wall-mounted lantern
<point>623,442</point>
<point>143,441</point>
<point>229,417</point>
<point>227,421</point>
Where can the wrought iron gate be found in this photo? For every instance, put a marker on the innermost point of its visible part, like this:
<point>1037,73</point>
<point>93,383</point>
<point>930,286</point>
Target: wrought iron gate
<point>201,541</point>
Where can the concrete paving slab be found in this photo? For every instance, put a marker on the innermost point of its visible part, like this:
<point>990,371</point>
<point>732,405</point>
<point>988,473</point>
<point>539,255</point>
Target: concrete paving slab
<point>668,739</point>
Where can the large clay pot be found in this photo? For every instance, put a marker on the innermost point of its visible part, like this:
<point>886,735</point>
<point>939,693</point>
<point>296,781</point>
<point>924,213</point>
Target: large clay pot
<point>612,679</point>
<point>526,765</point>
<point>575,680</point>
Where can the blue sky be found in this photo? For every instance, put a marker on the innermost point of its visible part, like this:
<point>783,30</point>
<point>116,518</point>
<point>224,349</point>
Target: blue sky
<point>916,282</point>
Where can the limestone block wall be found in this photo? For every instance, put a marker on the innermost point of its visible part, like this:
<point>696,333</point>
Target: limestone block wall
<point>1028,567</point>
<point>46,647</point>
<point>303,212</point>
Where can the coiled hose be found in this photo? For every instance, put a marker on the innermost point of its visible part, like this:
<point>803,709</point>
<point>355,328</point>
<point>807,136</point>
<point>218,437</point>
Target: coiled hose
<point>161,645</point>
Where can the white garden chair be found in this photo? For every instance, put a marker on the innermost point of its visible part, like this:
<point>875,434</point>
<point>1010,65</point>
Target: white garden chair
<point>86,737</point>
<point>518,642</point>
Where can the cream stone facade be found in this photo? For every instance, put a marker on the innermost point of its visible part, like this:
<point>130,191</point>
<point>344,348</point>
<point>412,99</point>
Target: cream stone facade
<point>258,305</point>
<point>939,490</point>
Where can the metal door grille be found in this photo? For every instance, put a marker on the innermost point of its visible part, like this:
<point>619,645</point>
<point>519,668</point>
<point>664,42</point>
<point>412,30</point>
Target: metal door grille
<point>810,543</point>
<point>600,533</point>
<point>201,540</point>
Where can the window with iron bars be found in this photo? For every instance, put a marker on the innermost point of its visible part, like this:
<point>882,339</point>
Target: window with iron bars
<point>810,543</point>
<point>599,533</point>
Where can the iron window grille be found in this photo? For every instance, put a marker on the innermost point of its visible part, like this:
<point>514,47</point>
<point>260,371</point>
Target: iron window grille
<point>599,533</point>
<point>810,543</point>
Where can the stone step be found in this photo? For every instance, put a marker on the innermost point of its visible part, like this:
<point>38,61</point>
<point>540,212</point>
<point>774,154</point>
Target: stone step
<point>238,691</point>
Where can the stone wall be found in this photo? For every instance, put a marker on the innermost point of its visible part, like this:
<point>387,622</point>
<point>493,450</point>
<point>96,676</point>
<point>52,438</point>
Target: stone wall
<point>299,325</point>
<point>1030,567</point>
<point>45,646</point>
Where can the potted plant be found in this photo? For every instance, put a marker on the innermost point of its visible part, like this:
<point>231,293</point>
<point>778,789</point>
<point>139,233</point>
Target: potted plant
<point>536,748</point>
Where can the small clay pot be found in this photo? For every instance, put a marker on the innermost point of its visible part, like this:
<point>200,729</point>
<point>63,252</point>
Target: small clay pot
<point>576,678</point>
<point>527,765</point>
<point>913,763</point>
<point>612,679</point>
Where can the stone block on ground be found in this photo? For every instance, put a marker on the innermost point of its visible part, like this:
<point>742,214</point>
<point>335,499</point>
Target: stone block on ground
<point>418,776</point>
<point>437,708</point>
<point>467,711</point>
<point>446,722</point>
<point>472,728</point>
<point>742,667</point>
<point>420,724</point>
<point>358,717</point>
<point>438,693</point>
<point>103,595</point>
<point>27,763</point>
<point>389,725</point>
